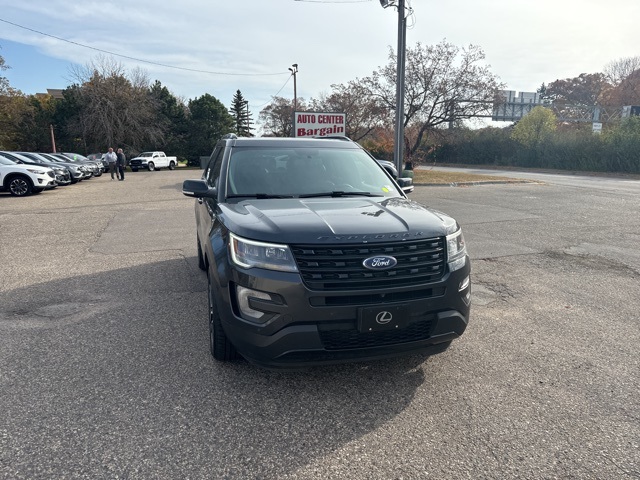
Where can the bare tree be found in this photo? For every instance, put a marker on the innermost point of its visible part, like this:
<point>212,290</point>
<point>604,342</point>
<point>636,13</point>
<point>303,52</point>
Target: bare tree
<point>277,117</point>
<point>443,84</point>
<point>618,70</point>
<point>117,109</point>
<point>363,113</point>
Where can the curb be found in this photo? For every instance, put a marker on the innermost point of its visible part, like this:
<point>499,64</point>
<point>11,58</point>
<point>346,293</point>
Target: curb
<point>472,184</point>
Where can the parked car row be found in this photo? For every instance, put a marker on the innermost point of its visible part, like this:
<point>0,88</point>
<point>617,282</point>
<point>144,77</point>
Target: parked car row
<point>24,173</point>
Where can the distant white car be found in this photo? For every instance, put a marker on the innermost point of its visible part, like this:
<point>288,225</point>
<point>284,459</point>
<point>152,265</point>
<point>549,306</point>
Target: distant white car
<point>153,161</point>
<point>23,180</point>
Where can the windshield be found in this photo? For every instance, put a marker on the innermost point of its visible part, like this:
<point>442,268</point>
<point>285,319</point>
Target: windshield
<point>75,156</point>
<point>146,154</point>
<point>257,171</point>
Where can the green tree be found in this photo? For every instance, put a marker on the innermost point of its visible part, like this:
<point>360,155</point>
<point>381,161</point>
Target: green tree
<point>34,127</point>
<point>209,120</point>
<point>242,117</point>
<point>535,127</point>
<point>172,118</point>
<point>13,108</point>
<point>623,145</point>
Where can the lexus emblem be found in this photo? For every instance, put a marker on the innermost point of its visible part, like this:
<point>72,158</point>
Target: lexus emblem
<point>384,317</point>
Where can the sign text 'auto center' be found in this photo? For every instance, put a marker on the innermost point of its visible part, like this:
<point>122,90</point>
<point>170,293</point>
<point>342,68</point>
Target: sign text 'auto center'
<point>308,124</point>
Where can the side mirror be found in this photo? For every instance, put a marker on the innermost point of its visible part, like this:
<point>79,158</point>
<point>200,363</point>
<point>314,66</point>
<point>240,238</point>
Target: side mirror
<point>198,189</point>
<point>406,184</point>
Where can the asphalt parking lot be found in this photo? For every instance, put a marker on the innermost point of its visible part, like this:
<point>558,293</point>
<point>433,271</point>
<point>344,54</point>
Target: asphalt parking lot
<point>105,370</point>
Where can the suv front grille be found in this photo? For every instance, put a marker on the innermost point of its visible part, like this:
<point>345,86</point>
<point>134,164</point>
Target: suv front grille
<point>340,267</point>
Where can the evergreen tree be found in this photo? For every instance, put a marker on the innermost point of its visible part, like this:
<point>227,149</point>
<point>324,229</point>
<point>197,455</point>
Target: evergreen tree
<point>209,120</point>
<point>242,117</point>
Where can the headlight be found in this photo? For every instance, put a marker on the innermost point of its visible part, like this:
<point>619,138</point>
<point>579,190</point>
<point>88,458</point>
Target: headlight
<point>37,171</point>
<point>249,254</point>
<point>456,251</point>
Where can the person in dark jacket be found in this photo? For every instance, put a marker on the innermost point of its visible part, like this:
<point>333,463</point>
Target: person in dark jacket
<point>122,162</point>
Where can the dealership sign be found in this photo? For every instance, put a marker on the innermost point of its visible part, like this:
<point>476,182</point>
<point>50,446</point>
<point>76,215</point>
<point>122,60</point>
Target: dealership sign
<point>318,124</point>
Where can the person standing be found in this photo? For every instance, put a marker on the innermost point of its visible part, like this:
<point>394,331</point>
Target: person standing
<point>111,161</point>
<point>122,162</point>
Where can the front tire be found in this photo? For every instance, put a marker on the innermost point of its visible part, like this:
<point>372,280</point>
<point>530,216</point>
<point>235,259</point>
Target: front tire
<point>151,166</point>
<point>20,186</point>
<point>219,345</point>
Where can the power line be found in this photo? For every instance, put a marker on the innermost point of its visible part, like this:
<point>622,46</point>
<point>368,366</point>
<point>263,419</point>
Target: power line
<point>139,59</point>
<point>272,96</point>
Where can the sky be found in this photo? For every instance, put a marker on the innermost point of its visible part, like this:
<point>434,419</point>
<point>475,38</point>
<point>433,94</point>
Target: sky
<point>218,47</point>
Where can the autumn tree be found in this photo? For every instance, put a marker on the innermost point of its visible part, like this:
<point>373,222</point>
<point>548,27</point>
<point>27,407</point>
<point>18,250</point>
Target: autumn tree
<point>583,90</point>
<point>627,92</point>
<point>240,112</point>
<point>443,83</point>
<point>277,117</point>
<point>363,113</point>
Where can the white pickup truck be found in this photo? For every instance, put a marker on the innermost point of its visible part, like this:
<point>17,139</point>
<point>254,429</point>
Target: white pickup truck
<point>153,161</point>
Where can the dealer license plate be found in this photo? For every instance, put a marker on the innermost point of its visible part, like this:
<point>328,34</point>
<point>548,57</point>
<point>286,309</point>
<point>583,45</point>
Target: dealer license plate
<point>377,319</point>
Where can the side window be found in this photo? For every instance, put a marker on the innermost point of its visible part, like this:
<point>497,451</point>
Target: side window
<point>213,169</point>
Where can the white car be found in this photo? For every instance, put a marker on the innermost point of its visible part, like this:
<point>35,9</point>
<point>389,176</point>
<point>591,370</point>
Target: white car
<point>23,180</point>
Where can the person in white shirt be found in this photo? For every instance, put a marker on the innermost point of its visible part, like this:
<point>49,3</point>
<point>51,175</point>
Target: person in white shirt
<point>111,160</point>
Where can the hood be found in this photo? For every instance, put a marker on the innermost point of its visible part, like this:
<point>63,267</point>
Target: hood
<point>24,167</point>
<point>334,220</point>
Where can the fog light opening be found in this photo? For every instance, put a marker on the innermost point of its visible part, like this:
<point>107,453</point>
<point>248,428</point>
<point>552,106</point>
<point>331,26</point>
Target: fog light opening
<point>464,284</point>
<point>243,295</point>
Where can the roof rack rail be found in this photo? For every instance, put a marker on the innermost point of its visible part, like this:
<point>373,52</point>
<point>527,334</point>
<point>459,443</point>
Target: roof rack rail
<point>334,137</point>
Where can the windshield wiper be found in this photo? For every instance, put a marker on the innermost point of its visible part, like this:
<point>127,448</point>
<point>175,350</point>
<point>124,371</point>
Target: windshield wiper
<point>338,193</point>
<point>259,196</point>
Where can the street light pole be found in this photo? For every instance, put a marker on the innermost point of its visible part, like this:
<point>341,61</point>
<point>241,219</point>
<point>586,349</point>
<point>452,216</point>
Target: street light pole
<point>294,71</point>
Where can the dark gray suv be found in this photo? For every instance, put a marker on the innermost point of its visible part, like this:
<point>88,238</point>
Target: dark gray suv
<point>314,254</point>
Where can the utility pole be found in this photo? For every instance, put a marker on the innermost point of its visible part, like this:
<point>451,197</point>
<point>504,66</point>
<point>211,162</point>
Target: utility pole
<point>398,144</point>
<point>53,139</point>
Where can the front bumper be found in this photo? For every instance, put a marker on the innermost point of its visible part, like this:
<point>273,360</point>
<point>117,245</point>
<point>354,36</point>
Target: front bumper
<point>44,182</point>
<point>307,327</point>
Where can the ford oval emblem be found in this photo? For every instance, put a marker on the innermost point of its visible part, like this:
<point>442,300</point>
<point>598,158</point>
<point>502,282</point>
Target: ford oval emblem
<point>382,262</point>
